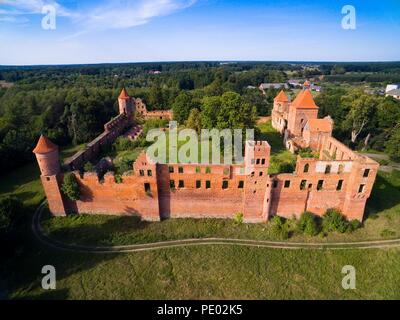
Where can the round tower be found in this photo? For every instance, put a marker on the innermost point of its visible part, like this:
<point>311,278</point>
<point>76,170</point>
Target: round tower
<point>126,103</point>
<point>47,157</point>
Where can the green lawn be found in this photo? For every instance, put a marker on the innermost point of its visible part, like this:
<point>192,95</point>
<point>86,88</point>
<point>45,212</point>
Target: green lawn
<point>279,154</point>
<point>208,272</point>
<point>25,182</point>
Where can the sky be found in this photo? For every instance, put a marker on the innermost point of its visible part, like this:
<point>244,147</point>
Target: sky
<point>111,31</point>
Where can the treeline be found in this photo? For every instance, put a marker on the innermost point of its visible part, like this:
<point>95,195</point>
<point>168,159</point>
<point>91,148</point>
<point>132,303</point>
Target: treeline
<point>71,104</point>
<point>364,77</point>
<point>363,121</point>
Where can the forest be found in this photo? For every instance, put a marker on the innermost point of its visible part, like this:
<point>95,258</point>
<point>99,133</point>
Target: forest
<point>70,104</point>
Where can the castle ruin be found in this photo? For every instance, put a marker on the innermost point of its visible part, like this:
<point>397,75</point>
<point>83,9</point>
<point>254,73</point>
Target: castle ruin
<point>339,178</point>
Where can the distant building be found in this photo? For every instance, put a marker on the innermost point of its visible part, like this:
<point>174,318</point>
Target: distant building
<point>391,87</point>
<point>395,93</point>
<point>265,86</point>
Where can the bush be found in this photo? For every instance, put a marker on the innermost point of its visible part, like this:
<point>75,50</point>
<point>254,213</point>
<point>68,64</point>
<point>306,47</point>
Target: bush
<point>70,187</point>
<point>354,225</point>
<point>11,209</point>
<point>279,228</point>
<point>333,220</point>
<point>286,167</point>
<point>308,224</point>
<point>307,153</point>
<point>88,167</point>
<point>123,166</point>
<point>238,218</point>
<point>124,144</point>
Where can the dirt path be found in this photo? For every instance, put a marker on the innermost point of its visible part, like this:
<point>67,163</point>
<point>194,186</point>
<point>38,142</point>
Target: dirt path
<point>378,156</point>
<point>44,239</point>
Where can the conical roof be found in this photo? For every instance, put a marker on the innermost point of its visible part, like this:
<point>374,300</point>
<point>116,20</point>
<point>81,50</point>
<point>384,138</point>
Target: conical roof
<point>124,94</point>
<point>44,145</point>
<point>304,100</point>
<point>282,97</point>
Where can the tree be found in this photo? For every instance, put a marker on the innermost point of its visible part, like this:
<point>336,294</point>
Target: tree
<point>194,120</point>
<point>333,220</point>
<point>393,144</point>
<point>362,108</point>
<point>70,187</point>
<point>182,106</point>
<point>11,208</point>
<point>156,97</point>
<point>235,112</point>
<point>308,223</point>
<point>209,111</point>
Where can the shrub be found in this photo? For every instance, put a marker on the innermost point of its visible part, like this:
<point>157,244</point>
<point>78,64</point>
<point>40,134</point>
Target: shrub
<point>88,167</point>
<point>308,224</point>
<point>279,228</point>
<point>70,187</point>
<point>123,166</point>
<point>118,178</point>
<point>307,153</point>
<point>124,144</point>
<point>333,220</point>
<point>354,225</point>
<point>286,167</point>
<point>238,218</point>
<point>11,208</point>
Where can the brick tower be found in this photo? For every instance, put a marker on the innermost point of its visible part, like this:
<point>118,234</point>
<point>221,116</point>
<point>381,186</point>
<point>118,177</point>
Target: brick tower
<point>257,184</point>
<point>49,163</point>
<point>301,110</point>
<point>126,104</point>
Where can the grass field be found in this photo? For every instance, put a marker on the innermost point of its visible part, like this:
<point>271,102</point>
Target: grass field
<point>207,272</point>
<point>210,272</point>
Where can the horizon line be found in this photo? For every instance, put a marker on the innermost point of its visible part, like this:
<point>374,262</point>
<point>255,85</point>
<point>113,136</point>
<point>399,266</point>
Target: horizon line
<point>199,61</point>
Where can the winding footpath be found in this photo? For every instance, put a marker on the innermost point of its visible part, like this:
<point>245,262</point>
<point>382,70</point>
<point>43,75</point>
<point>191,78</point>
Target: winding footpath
<point>55,244</point>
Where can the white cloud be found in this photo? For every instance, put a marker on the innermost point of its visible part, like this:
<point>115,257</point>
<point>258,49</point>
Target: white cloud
<point>127,14</point>
<point>111,14</point>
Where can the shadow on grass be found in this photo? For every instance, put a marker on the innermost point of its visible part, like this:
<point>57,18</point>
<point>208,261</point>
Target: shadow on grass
<point>22,267</point>
<point>85,230</point>
<point>274,138</point>
<point>385,193</point>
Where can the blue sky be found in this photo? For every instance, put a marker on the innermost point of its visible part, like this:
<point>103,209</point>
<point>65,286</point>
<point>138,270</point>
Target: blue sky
<point>103,31</point>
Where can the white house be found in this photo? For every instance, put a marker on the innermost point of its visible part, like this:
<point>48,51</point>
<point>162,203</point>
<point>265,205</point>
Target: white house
<point>391,87</point>
<point>394,93</point>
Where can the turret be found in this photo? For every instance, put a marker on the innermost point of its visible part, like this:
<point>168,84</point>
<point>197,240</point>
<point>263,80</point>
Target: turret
<point>126,103</point>
<point>47,157</point>
<point>281,102</point>
<point>49,163</point>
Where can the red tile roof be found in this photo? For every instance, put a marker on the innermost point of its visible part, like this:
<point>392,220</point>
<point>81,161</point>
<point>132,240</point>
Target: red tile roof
<point>44,145</point>
<point>282,97</point>
<point>304,100</point>
<point>320,125</point>
<point>124,94</point>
